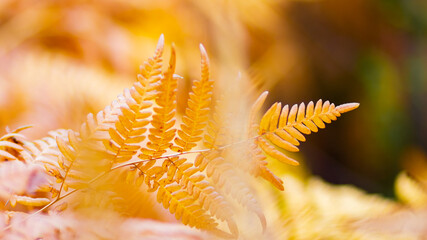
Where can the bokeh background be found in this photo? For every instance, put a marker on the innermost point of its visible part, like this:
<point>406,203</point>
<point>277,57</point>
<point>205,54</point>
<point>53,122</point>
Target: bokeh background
<point>60,60</point>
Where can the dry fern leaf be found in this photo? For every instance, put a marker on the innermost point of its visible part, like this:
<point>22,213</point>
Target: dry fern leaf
<point>129,129</point>
<point>189,180</point>
<point>227,179</point>
<point>186,208</point>
<point>126,106</point>
<point>195,184</point>
<point>197,111</point>
<point>283,128</point>
<point>114,134</point>
<point>162,132</point>
<point>219,165</point>
<point>177,169</point>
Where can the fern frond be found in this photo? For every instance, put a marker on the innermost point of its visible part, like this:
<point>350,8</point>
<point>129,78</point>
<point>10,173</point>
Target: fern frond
<point>284,128</point>
<point>162,132</point>
<point>259,167</point>
<point>227,179</point>
<point>115,133</point>
<point>195,183</point>
<point>186,208</point>
<point>97,127</point>
<point>141,121</point>
<point>129,129</point>
<point>197,111</point>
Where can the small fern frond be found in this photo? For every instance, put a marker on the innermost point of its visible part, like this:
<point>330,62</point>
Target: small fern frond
<point>129,129</point>
<point>259,167</point>
<point>227,178</point>
<point>186,208</point>
<point>191,180</point>
<point>97,127</point>
<point>198,108</point>
<point>284,128</point>
<point>162,132</point>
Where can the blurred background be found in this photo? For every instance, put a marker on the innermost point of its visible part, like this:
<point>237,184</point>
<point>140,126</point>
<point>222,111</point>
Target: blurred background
<point>60,60</point>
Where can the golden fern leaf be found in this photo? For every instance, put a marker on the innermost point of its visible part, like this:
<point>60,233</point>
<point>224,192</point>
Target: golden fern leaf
<point>186,208</point>
<point>113,134</point>
<point>129,129</point>
<point>219,165</point>
<point>197,193</point>
<point>227,179</point>
<point>97,127</point>
<point>195,184</point>
<point>259,166</point>
<point>177,169</point>
<point>197,111</point>
<point>283,128</point>
<point>161,132</point>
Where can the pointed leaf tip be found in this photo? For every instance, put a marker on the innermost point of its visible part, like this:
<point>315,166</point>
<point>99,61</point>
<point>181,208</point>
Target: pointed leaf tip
<point>161,40</point>
<point>202,49</point>
<point>160,43</point>
<point>264,95</point>
<point>204,54</point>
<point>343,108</point>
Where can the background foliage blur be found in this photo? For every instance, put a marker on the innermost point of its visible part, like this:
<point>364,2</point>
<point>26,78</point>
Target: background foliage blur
<point>71,57</point>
